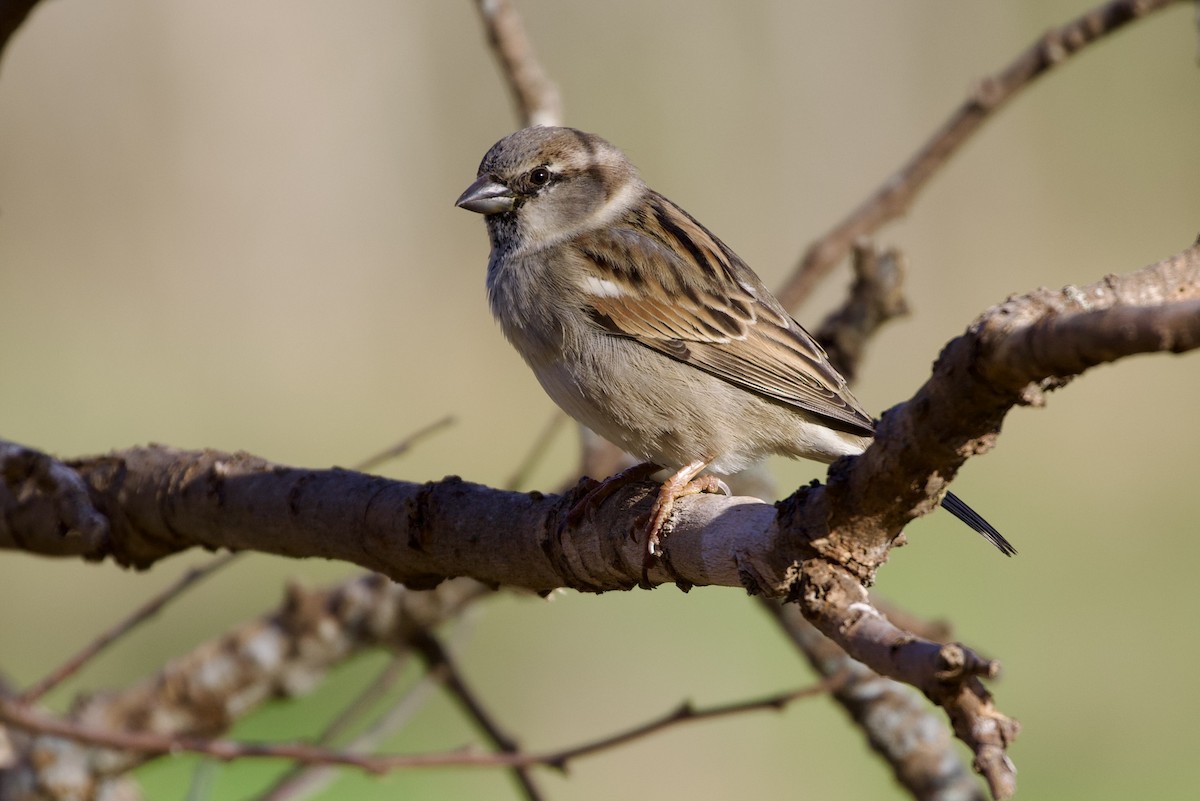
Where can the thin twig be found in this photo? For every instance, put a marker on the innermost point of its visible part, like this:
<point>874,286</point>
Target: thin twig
<point>437,657</point>
<point>123,627</point>
<point>686,713</point>
<point>367,700</point>
<point>200,788</point>
<point>200,694</point>
<point>876,297</point>
<point>536,452</point>
<point>151,744</point>
<point>1010,355</point>
<point>305,779</point>
<point>902,728</point>
<point>403,445</point>
<point>537,98</point>
<point>894,197</point>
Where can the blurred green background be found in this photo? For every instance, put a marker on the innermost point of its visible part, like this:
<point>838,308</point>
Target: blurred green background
<point>230,225</point>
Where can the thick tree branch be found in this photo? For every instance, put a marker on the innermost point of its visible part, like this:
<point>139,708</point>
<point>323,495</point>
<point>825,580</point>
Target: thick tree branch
<point>159,501</point>
<point>948,674</point>
<point>894,197</point>
<point>32,474</point>
<point>1008,357</point>
<point>821,551</point>
<point>140,505</point>
<point>1013,352</point>
<point>898,723</point>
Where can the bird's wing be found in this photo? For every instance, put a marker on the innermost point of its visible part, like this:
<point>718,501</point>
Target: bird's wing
<point>666,282</point>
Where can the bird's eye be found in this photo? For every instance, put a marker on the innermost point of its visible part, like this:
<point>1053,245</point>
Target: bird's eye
<point>539,176</point>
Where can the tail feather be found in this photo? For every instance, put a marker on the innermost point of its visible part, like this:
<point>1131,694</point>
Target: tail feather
<point>957,507</point>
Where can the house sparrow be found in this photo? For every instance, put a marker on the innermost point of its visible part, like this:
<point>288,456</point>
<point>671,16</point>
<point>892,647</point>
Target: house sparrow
<point>649,330</point>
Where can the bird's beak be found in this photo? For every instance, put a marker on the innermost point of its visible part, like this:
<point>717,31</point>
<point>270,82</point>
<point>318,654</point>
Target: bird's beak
<point>487,196</point>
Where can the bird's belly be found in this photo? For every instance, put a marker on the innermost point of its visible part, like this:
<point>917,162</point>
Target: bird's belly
<point>669,413</point>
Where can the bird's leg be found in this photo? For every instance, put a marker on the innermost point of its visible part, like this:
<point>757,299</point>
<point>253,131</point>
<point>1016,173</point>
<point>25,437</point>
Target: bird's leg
<point>680,485</point>
<point>600,493</point>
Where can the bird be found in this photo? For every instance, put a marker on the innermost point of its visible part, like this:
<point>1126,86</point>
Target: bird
<point>645,327</point>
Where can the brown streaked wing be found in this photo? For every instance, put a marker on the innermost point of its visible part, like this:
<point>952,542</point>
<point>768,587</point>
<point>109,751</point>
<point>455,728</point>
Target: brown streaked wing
<point>777,367</point>
<point>732,329</point>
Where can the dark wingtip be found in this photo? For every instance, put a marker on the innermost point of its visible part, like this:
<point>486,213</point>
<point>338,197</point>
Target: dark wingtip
<point>957,507</point>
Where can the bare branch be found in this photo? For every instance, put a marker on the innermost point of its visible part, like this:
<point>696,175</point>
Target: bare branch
<point>894,197</point>
<point>123,627</point>
<point>437,658</point>
<point>899,724</point>
<point>403,446</point>
<point>825,545</point>
<point>876,296</point>
<point>536,96</point>
<point>306,779</point>
<point>1009,356</point>
<point>159,500</point>
<point>536,451</point>
<point>30,474</point>
<point>1013,352</point>
<point>686,713</point>
<point>199,695</point>
<point>837,604</point>
<point>154,744</point>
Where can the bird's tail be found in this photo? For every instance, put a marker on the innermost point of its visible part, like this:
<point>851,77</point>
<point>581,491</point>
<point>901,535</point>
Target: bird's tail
<point>957,507</point>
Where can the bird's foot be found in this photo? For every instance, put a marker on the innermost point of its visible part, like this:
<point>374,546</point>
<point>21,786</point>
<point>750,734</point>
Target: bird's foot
<point>683,483</point>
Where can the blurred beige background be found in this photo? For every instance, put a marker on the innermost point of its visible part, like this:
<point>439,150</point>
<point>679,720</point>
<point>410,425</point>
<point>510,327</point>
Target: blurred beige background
<point>230,224</point>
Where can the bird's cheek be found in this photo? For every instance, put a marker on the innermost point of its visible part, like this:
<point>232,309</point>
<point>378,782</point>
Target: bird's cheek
<point>539,222</point>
